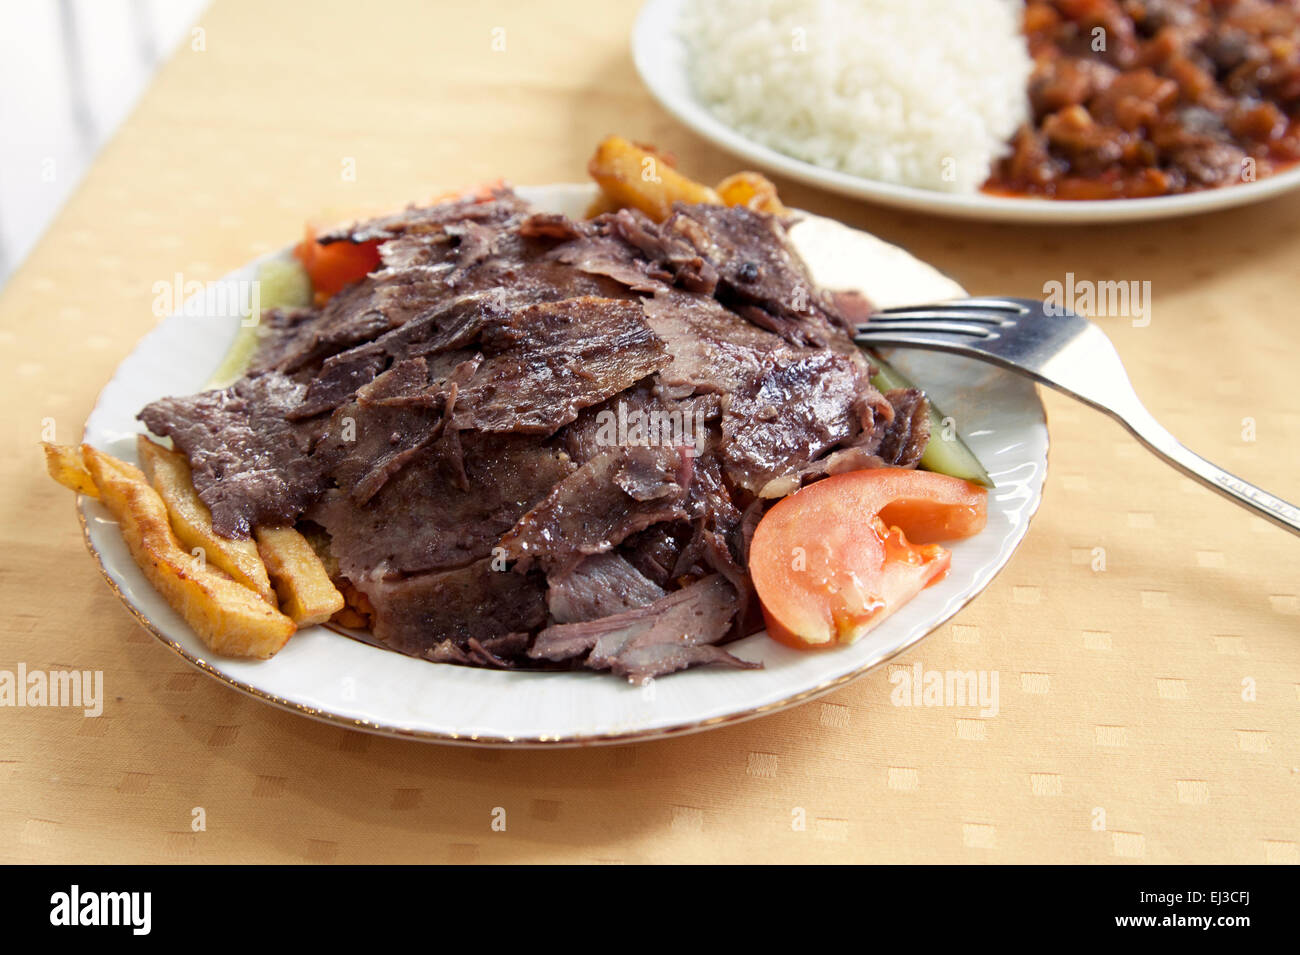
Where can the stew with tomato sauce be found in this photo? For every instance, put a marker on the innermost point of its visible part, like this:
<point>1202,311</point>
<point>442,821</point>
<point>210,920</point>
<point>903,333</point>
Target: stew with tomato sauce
<point>1138,98</point>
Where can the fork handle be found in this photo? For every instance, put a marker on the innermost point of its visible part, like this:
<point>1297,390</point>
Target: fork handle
<point>1151,433</point>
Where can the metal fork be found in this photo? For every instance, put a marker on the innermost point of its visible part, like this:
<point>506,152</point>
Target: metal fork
<point>1056,347</point>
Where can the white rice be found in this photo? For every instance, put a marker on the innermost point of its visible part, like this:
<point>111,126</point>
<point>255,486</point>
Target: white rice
<point>921,93</point>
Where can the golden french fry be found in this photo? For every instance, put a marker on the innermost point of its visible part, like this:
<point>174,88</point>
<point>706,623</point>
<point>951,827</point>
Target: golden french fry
<point>306,592</point>
<point>169,472</point>
<point>352,619</point>
<point>65,465</point>
<point>230,618</point>
<point>751,190</point>
<point>600,205</point>
<point>357,612</point>
<point>631,175</point>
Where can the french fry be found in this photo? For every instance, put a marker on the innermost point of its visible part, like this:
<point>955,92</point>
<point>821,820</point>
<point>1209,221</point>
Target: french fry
<point>65,465</point>
<point>632,175</point>
<point>306,592</point>
<point>169,472</point>
<point>753,191</point>
<point>352,619</point>
<point>230,618</point>
<point>357,613</point>
<point>600,205</point>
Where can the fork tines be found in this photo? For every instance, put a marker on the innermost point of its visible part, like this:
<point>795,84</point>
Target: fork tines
<point>973,318</point>
<point>930,324</point>
<point>1005,306</point>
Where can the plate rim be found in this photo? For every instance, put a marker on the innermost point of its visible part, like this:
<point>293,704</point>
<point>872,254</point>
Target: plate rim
<point>395,729</point>
<point>654,25</point>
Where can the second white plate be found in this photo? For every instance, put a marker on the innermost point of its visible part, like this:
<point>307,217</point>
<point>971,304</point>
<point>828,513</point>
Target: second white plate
<point>660,57</point>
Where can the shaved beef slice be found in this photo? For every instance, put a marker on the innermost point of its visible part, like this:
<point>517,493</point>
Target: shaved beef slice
<point>612,496</point>
<point>549,361</point>
<point>651,655</point>
<point>281,333</point>
<point>712,349</point>
<point>498,206</point>
<point>655,551</point>
<point>715,518</point>
<point>543,363</point>
<point>642,415</point>
<point>423,518</point>
<point>475,602</point>
<point>758,267</point>
<point>405,502</point>
<point>394,418</point>
<point>428,271</point>
<point>631,248</point>
<point>897,439</point>
<point>792,412</point>
<point>453,325</point>
<point>908,434</point>
<point>675,632</point>
<point>739,256</point>
<point>600,586</point>
<point>540,364</point>
<point>250,465</point>
<point>608,256</point>
<point>358,314</point>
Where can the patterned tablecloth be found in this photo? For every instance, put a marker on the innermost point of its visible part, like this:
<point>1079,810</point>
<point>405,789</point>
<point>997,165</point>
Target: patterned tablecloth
<point>1146,635</point>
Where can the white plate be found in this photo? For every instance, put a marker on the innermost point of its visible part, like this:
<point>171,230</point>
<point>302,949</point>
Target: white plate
<point>660,57</point>
<point>331,677</point>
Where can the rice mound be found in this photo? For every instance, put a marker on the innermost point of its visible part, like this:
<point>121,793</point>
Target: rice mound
<point>923,93</point>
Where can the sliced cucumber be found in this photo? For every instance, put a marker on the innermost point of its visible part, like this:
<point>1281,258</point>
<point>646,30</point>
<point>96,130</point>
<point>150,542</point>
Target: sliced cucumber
<point>948,455</point>
<point>284,284</point>
<point>281,284</point>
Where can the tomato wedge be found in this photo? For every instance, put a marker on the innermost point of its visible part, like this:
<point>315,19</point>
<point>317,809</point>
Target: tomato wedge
<point>336,265</point>
<point>834,559</point>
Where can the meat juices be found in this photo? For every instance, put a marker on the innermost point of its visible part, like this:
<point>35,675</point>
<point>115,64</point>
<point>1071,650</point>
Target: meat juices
<point>448,422</point>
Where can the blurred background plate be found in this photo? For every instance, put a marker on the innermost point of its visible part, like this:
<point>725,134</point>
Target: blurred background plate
<point>660,58</point>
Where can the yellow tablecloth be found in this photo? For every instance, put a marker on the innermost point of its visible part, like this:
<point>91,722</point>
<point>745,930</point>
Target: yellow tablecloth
<point>1148,710</point>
